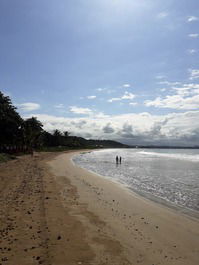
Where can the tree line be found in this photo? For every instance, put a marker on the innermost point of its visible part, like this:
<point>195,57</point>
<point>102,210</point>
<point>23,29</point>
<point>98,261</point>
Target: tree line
<point>21,134</point>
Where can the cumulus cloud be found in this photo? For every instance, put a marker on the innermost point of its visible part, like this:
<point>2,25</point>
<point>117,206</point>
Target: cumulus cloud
<point>133,103</point>
<point>142,128</point>
<point>91,97</point>
<point>79,124</point>
<point>126,85</point>
<point>88,112</point>
<point>29,106</point>
<point>192,51</point>
<point>100,89</point>
<point>175,102</point>
<point>192,18</point>
<point>77,110</point>
<point>193,35</point>
<point>108,128</point>
<point>186,89</point>
<point>114,99</point>
<point>127,95</point>
<point>194,74</point>
<point>185,96</point>
<point>126,131</point>
<point>181,89</point>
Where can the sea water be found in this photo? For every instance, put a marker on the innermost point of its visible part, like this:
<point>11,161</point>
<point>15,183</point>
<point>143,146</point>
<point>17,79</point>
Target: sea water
<point>170,175</point>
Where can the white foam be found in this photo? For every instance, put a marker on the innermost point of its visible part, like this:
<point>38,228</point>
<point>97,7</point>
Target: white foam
<point>193,158</point>
<point>175,182</point>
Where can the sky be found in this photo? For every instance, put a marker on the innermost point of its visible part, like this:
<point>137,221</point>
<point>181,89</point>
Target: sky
<point>124,70</point>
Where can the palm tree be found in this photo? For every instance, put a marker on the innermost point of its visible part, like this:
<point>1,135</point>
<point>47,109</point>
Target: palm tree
<point>10,122</point>
<point>32,130</point>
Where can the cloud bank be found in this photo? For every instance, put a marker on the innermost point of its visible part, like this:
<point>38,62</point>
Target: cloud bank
<point>142,128</point>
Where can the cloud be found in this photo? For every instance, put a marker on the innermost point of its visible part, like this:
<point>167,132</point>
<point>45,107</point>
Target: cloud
<point>181,89</point>
<point>126,85</point>
<point>126,131</point>
<point>79,124</point>
<point>101,89</point>
<point>169,83</point>
<point>82,111</point>
<point>162,15</point>
<point>105,89</point>
<point>194,74</point>
<point>131,128</point>
<point>91,97</point>
<point>59,106</point>
<point>108,128</point>
<point>192,18</point>
<point>185,96</point>
<point>160,76</point>
<point>186,89</point>
<point>88,112</point>
<point>114,99</point>
<point>192,51</point>
<point>193,35</point>
<point>100,115</point>
<point>29,106</point>
<point>133,103</point>
<point>175,102</point>
<point>127,96</point>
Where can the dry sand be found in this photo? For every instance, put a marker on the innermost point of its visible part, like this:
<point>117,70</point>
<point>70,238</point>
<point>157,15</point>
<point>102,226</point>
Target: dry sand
<point>55,213</point>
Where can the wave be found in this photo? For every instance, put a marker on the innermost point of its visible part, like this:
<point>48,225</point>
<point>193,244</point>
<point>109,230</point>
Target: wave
<point>193,158</point>
<point>169,179</point>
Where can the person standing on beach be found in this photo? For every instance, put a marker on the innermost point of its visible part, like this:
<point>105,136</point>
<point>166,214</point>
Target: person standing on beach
<point>120,160</point>
<point>117,159</point>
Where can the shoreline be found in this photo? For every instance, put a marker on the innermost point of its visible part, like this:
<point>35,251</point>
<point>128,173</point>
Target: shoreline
<point>54,213</point>
<point>190,213</point>
<point>142,227</point>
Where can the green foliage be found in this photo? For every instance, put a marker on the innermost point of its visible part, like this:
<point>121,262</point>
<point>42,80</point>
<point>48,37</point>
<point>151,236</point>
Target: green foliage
<point>47,139</point>
<point>14,131</point>
<point>57,138</point>
<point>66,133</point>
<point>10,122</point>
<point>32,129</point>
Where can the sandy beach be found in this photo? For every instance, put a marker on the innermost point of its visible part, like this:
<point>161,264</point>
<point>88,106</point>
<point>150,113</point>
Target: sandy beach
<point>53,212</point>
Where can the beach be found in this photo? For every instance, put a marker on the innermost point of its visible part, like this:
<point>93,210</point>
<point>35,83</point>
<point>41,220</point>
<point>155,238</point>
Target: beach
<point>54,212</point>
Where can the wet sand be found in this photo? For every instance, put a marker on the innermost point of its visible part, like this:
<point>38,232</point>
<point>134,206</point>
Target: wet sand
<point>53,212</point>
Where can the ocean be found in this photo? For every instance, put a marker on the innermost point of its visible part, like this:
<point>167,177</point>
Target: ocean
<point>170,176</point>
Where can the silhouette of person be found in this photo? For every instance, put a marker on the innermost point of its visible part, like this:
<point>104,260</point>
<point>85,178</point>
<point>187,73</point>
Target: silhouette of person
<point>117,159</point>
<point>120,159</point>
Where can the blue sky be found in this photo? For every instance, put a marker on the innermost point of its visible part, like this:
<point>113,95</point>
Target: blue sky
<point>121,69</point>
